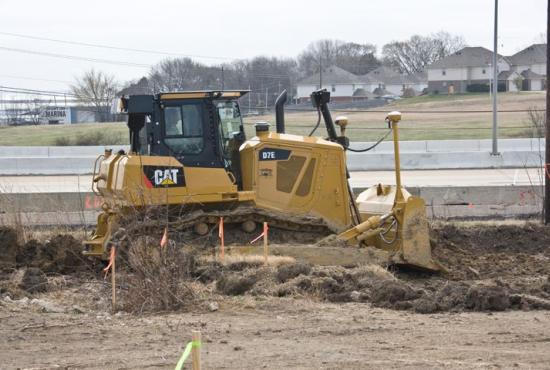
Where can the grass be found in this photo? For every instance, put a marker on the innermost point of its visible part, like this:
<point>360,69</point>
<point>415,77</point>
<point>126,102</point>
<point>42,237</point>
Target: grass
<point>51,135</point>
<point>439,124</point>
<point>435,117</point>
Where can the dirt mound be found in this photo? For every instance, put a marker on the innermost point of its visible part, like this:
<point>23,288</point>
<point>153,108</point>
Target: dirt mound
<point>480,251</point>
<point>290,271</point>
<point>487,298</point>
<point>31,280</point>
<point>391,293</point>
<point>61,254</point>
<point>234,284</point>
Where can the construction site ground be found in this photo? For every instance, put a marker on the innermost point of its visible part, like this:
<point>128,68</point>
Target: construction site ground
<point>278,333</point>
<point>490,310</point>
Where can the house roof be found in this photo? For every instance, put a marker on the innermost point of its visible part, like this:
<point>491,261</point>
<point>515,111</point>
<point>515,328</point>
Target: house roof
<point>505,75</point>
<point>332,75</point>
<point>390,76</point>
<point>381,75</point>
<point>534,54</point>
<point>530,75</point>
<point>466,57</point>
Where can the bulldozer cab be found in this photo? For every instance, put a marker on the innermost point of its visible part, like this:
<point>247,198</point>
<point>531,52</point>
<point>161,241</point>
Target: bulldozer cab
<point>199,129</point>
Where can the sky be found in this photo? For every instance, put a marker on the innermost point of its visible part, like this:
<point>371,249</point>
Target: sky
<point>220,31</point>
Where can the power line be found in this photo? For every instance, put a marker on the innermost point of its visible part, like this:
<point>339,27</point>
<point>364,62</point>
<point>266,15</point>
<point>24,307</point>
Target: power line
<point>20,90</point>
<point>34,79</point>
<point>74,57</point>
<point>147,51</point>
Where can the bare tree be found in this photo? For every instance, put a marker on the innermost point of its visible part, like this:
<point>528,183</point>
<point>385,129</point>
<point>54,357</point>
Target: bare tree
<point>33,107</point>
<point>13,114</point>
<point>353,57</point>
<point>413,55</point>
<point>96,89</point>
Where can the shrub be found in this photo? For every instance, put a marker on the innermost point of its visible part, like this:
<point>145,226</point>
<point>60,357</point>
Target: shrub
<point>477,88</point>
<point>409,93</point>
<point>91,138</point>
<point>62,141</point>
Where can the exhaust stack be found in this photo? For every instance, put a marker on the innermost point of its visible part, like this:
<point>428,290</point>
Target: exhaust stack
<point>280,112</point>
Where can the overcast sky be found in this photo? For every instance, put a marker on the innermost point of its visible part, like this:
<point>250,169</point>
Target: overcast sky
<point>234,29</point>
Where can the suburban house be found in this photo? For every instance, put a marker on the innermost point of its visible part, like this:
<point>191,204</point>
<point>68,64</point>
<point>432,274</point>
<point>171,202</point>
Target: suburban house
<point>338,81</point>
<point>396,83</point>
<point>470,69</point>
<point>468,66</point>
<point>530,63</point>
<point>346,86</point>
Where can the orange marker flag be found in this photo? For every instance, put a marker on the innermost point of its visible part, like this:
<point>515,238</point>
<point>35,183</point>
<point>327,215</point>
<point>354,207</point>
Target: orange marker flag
<point>164,239</point>
<point>222,241</point>
<point>111,260</point>
<point>266,228</point>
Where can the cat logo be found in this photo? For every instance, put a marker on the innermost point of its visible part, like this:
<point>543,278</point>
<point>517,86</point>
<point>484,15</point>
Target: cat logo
<point>166,177</point>
<point>163,176</point>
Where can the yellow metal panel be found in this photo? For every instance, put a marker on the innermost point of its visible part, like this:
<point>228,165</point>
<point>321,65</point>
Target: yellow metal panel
<point>184,95</point>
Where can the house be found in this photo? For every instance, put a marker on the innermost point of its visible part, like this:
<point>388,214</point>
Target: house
<point>345,86</point>
<point>396,83</point>
<point>507,81</point>
<point>341,84</point>
<point>470,69</point>
<point>532,57</point>
<point>530,63</point>
<point>468,66</point>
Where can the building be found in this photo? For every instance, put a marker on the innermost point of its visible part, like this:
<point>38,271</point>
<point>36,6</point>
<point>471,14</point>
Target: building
<point>395,83</point>
<point>470,69</point>
<point>345,86</point>
<point>341,84</point>
<point>468,66</point>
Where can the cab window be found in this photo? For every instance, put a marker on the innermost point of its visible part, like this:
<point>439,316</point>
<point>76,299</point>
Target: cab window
<point>183,128</point>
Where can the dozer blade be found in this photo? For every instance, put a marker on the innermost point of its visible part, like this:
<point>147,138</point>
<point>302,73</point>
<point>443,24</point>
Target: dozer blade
<point>415,238</point>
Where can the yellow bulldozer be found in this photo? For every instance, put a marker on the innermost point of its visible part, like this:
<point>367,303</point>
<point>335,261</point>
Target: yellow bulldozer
<point>188,151</point>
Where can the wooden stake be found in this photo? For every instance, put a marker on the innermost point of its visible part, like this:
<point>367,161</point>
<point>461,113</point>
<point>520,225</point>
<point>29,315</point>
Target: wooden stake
<point>113,282</point>
<point>196,350</point>
<point>222,241</point>
<point>265,243</point>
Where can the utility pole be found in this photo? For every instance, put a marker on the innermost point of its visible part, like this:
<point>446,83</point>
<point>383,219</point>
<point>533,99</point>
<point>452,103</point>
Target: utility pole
<point>547,145</point>
<point>495,83</point>
<point>223,82</point>
<point>266,98</point>
<point>249,102</point>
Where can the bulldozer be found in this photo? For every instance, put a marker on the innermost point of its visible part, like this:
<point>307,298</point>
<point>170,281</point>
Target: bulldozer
<point>188,150</point>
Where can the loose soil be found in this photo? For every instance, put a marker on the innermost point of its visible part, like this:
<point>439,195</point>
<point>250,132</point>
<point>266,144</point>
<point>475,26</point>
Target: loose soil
<point>494,298</point>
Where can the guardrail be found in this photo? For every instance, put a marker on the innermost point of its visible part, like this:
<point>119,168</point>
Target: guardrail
<point>431,154</point>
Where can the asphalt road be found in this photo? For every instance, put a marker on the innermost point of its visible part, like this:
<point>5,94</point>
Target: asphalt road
<point>478,177</point>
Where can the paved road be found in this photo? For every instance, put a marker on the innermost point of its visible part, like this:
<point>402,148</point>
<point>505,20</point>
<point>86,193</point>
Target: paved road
<point>486,177</point>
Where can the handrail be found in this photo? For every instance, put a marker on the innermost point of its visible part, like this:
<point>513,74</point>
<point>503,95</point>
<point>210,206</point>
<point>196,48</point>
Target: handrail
<point>95,189</point>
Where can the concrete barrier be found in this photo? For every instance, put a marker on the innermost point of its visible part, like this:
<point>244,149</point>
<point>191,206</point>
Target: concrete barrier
<point>442,202</point>
<point>421,155</point>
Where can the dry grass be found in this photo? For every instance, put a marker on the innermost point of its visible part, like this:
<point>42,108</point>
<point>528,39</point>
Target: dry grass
<point>375,271</point>
<point>441,123</point>
<point>364,126</point>
<point>273,261</point>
